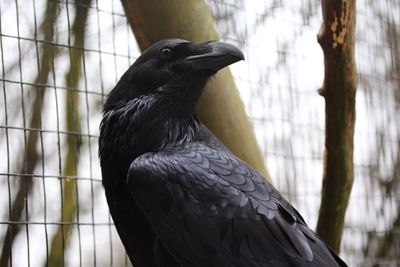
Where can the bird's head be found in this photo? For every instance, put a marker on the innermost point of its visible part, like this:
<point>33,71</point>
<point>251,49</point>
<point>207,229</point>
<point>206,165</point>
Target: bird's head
<point>174,70</point>
<point>153,103</point>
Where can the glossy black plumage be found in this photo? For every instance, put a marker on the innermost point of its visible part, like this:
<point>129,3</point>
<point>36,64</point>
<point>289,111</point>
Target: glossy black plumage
<point>178,197</point>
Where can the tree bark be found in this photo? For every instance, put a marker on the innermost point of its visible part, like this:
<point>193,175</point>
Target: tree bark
<point>337,39</point>
<point>220,107</point>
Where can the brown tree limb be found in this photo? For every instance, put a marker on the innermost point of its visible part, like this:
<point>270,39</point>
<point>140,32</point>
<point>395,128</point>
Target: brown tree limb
<point>220,107</point>
<point>31,155</point>
<point>337,39</point>
<point>70,169</point>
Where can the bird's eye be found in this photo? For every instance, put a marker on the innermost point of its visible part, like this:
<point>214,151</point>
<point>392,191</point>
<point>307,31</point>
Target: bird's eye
<point>165,52</point>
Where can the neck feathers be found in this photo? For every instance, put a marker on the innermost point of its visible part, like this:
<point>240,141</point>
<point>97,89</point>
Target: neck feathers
<point>144,124</point>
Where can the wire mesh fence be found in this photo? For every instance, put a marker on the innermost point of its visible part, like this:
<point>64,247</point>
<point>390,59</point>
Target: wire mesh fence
<point>59,59</point>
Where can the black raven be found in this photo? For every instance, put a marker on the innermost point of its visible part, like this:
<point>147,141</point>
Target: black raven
<point>177,195</point>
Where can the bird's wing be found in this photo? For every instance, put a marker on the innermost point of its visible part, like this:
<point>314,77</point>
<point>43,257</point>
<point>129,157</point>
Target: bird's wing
<point>208,207</point>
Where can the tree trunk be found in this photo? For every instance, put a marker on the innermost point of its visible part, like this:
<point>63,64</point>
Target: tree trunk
<point>220,107</point>
<point>70,199</point>
<point>337,39</point>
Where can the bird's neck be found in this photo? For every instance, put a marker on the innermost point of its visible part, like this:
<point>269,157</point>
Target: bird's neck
<point>144,124</point>
<point>162,123</point>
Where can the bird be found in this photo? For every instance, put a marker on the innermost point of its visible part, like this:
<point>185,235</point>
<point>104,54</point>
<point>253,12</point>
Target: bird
<point>177,195</point>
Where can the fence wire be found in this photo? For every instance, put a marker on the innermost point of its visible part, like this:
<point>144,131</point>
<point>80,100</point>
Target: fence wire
<point>53,210</point>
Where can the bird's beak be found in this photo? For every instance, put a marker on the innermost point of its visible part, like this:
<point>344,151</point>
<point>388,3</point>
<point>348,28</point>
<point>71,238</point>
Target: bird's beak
<point>213,56</point>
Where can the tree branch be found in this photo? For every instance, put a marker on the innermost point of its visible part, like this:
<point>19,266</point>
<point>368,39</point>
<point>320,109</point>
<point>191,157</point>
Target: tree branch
<point>74,143</point>
<point>31,156</point>
<point>337,39</point>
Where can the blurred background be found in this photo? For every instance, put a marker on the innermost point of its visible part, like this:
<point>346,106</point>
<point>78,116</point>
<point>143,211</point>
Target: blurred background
<point>59,60</point>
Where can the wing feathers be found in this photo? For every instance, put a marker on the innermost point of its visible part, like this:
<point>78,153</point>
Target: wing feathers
<point>222,205</point>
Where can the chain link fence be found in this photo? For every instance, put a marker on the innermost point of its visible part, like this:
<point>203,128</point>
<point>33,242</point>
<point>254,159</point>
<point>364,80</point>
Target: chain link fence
<point>59,59</point>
